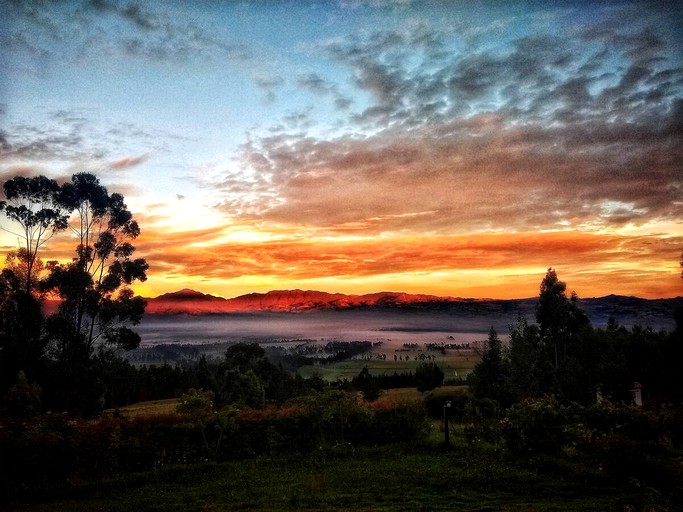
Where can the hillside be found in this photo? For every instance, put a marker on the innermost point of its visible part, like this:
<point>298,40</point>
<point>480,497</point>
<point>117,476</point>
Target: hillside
<point>628,310</point>
<point>193,302</point>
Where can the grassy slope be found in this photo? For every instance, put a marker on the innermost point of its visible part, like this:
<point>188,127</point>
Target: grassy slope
<point>381,480</point>
<point>388,478</point>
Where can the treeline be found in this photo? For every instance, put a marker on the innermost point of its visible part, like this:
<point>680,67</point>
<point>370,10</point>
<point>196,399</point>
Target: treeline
<point>427,376</point>
<point>312,354</point>
<point>564,356</point>
<point>567,395</point>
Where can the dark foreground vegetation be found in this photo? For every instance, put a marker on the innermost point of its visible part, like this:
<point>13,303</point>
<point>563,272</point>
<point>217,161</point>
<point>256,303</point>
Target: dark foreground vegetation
<point>334,451</point>
<point>566,417</point>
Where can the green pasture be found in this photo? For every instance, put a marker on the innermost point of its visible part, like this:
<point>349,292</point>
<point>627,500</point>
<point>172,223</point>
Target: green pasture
<point>455,364</point>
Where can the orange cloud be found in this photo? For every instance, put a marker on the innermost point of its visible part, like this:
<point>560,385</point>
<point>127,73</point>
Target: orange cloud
<point>495,265</point>
<point>129,161</point>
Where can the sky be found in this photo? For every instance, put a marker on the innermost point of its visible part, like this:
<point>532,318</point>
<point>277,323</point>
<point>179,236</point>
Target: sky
<point>456,148</point>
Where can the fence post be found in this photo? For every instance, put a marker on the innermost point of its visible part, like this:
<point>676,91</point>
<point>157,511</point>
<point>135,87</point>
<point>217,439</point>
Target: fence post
<point>446,410</point>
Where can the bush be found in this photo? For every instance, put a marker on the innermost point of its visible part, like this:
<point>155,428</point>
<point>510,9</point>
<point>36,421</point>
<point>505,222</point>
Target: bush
<point>538,426</point>
<point>437,398</point>
<point>483,420</point>
<point>625,441</point>
<point>428,376</point>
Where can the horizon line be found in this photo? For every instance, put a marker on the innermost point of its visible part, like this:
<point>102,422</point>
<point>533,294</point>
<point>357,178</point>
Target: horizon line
<point>442,297</point>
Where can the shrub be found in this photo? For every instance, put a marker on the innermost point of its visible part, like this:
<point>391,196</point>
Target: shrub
<point>538,426</point>
<point>437,398</point>
<point>482,418</point>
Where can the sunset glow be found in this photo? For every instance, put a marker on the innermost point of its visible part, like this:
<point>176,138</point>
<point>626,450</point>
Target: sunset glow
<point>361,146</point>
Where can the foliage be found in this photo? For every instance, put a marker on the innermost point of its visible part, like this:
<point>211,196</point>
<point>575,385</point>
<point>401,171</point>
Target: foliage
<point>196,403</point>
<point>198,406</point>
<point>335,415</point>
<point>242,388</point>
<point>123,474</point>
<point>623,442</point>
<point>428,376</point>
<point>537,426</point>
<point>483,421</point>
<point>33,203</point>
<point>531,371</point>
<point>458,396</point>
<point>491,376</point>
<point>21,321</point>
<point>23,399</point>
<point>96,301</point>
<point>53,448</point>
<point>96,308</point>
<point>367,384</point>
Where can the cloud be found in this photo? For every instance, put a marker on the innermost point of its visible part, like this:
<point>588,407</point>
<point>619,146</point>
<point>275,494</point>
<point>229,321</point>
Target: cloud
<point>129,161</point>
<point>315,83</point>
<point>545,133</point>
<point>74,30</point>
<point>358,259</point>
<point>77,137</point>
<point>478,173</point>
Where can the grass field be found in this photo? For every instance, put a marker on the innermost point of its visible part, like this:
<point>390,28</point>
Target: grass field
<point>388,478</point>
<point>454,365</point>
<point>151,408</point>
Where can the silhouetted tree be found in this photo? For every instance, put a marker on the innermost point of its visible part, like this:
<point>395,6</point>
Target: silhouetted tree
<point>244,356</point>
<point>368,385</point>
<point>490,378</point>
<point>97,304</point>
<point>559,318</point>
<point>23,399</point>
<point>531,371</point>
<point>428,376</point>
<point>34,205</point>
<point>242,389</point>
<point>21,321</point>
<point>198,405</point>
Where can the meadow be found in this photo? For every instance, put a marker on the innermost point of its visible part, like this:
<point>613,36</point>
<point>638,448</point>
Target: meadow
<point>455,365</point>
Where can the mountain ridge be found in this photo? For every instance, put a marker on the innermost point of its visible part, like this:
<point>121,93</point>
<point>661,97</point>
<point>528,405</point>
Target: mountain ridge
<point>192,301</point>
<point>599,309</point>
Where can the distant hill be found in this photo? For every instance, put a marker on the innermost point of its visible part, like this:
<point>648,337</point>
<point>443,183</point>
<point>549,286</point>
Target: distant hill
<point>656,313</point>
<point>192,302</point>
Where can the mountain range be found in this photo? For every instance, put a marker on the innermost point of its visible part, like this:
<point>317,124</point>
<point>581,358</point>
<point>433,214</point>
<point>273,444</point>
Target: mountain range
<point>657,313</point>
<point>190,301</point>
